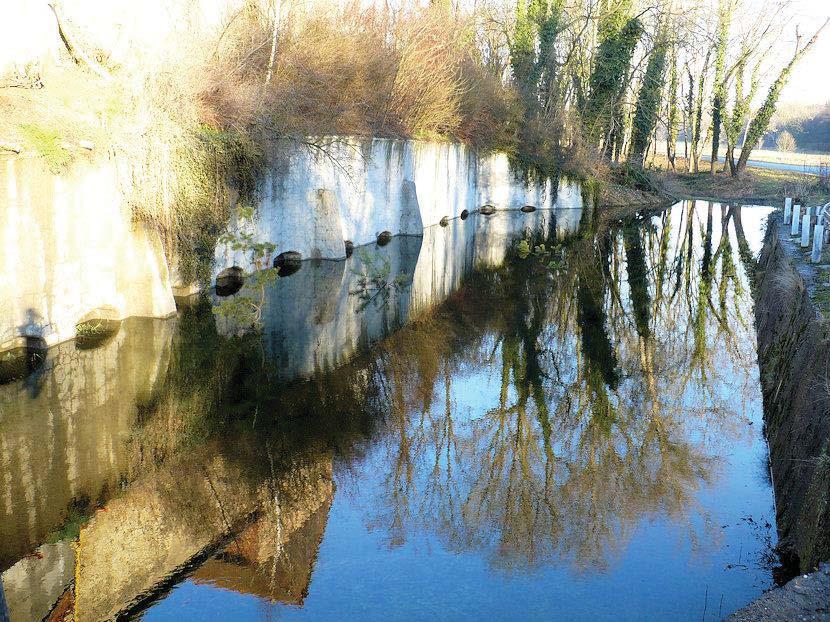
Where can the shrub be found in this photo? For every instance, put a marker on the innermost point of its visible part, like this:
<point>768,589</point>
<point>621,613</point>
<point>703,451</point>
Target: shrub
<point>491,111</point>
<point>786,142</point>
<point>352,71</point>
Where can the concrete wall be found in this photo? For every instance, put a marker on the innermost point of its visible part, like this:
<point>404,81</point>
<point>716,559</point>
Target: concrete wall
<point>162,522</point>
<point>68,248</point>
<point>794,356</point>
<point>62,429</point>
<point>76,430</point>
<point>316,197</point>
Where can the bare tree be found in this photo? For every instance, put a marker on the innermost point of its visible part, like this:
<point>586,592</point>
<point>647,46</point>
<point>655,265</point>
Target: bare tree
<point>762,118</point>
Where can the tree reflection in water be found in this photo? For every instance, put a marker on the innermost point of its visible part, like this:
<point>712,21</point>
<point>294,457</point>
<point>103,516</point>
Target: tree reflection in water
<point>620,375</point>
<point>538,415</point>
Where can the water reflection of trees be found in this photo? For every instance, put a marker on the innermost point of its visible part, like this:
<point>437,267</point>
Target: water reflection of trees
<point>540,413</point>
<point>619,375</point>
<point>609,378</point>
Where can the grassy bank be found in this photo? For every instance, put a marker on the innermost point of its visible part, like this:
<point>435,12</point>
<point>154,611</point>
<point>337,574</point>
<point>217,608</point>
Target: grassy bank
<point>792,158</point>
<point>755,185</point>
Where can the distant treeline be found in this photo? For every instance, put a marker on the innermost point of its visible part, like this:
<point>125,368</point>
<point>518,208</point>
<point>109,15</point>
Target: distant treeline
<point>808,124</point>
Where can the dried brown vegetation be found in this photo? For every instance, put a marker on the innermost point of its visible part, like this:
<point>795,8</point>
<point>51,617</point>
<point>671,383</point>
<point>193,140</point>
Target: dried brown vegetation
<point>191,118</point>
<point>346,71</point>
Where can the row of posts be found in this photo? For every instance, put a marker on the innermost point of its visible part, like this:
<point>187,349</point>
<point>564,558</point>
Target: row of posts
<point>805,221</point>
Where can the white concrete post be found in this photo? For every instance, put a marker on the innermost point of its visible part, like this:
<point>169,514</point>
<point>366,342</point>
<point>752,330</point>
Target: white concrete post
<point>809,212</point>
<point>805,229</point>
<point>788,210</point>
<point>818,242</point>
<point>796,220</point>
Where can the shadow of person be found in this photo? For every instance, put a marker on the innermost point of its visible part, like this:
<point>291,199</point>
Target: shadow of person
<point>24,360</point>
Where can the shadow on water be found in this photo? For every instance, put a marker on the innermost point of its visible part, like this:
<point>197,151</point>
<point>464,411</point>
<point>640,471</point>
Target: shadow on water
<point>535,413</point>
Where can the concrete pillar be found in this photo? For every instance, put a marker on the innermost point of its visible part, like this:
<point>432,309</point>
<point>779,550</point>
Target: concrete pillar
<point>805,229</point>
<point>809,211</point>
<point>818,243</point>
<point>788,210</point>
<point>796,220</point>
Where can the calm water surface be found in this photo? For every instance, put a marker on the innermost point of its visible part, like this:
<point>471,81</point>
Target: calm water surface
<point>447,428</point>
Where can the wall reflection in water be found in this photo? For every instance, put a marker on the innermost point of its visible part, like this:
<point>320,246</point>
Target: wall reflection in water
<point>534,411</point>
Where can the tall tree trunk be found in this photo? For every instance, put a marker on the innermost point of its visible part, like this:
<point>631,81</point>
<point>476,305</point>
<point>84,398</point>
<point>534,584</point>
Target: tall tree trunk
<point>690,114</point>
<point>672,121</point>
<point>725,10</point>
<point>648,102</point>
<point>619,34</point>
<point>274,40</point>
<point>697,119</point>
<point>734,123</point>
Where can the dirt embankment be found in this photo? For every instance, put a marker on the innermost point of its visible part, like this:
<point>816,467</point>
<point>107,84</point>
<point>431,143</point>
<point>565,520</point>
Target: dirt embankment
<point>794,359</point>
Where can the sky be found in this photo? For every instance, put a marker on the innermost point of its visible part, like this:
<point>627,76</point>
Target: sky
<point>810,82</point>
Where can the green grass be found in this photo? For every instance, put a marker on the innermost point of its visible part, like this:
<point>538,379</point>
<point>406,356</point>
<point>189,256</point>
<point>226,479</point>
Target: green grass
<point>92,333</point>
<point>754,185</point>
<point>47,144</point>
<point>820,293</point>
<point>92,328</point>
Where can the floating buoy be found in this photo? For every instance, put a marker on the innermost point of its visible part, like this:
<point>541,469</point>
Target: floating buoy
<point>488,209</point>
<point>288,262</point>
<point>229,281</point>
<point>97,327</point>
<point>384,238</point>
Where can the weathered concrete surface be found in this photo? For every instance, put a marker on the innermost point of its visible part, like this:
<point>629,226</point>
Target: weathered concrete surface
<point>155,529</point>
<point>35,583</point>
<point>68,246</point>
<point>353,189</point>
<point>315,320</point>
<point>63,430</point>
<point>165,520</point>
<point>271,565</point>
<point>69,431</point>
<point>804,598</point>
